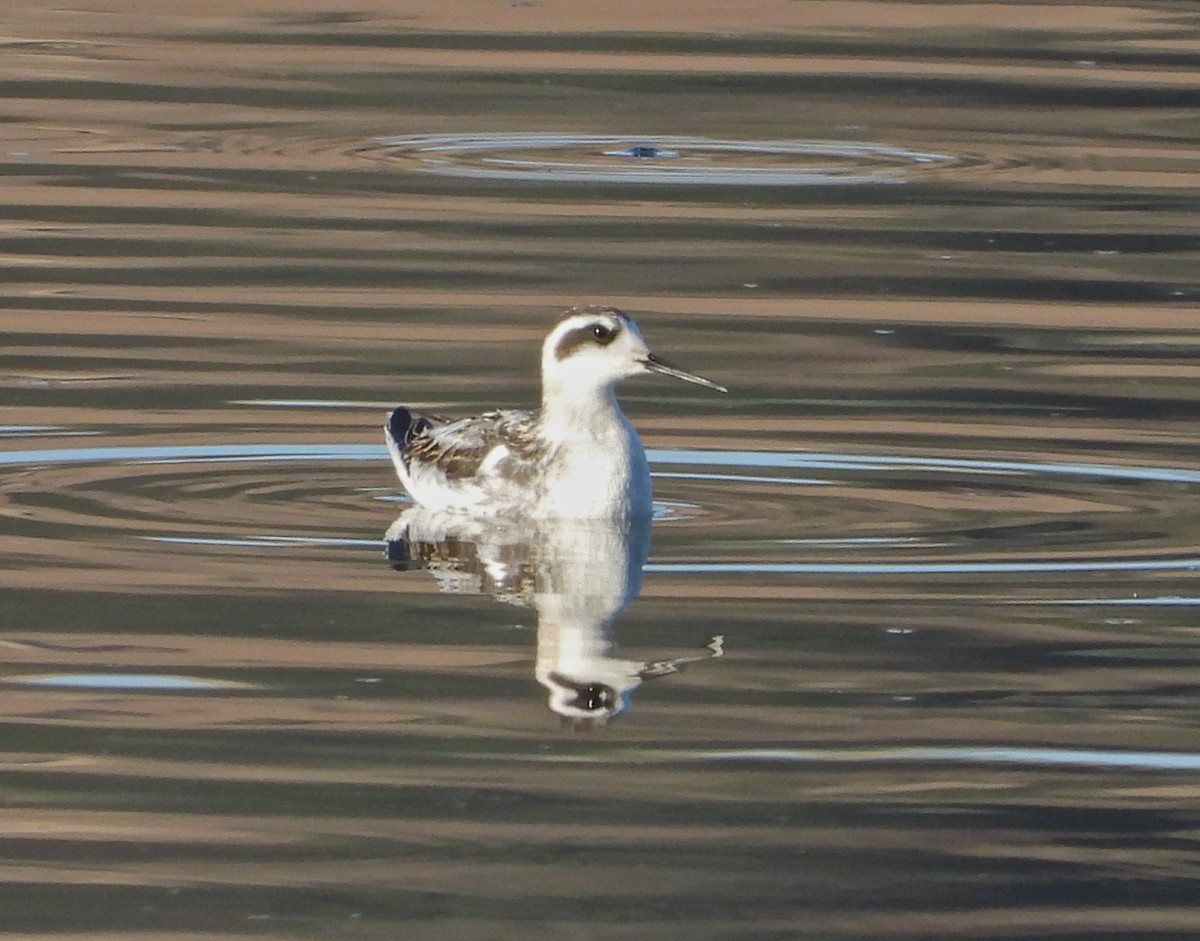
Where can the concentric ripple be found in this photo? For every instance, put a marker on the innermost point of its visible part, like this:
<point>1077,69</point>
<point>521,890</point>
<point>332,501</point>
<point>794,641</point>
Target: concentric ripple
<point>735,513</point>
<point>574,158</point>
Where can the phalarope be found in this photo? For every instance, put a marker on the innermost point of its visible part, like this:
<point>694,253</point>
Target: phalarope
<point>576,457</point>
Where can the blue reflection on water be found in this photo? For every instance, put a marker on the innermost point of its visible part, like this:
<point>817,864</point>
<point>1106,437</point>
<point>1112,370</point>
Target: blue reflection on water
<point>186,454</point>
<point>949,754</point>
<point>931,568</point>
<point>763,459</point>
<point>138,681</point>
<point>742,478</point>
<point>1167,761</point>
<point>266,541</point>
<point>1164,600</point>
<point>813,460</point>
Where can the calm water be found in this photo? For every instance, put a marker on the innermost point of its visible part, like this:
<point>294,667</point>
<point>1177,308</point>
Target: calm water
<point>912,651</point>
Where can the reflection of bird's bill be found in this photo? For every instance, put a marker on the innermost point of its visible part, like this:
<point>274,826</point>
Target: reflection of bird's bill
<point>656,364</point>
<point>715,648</point>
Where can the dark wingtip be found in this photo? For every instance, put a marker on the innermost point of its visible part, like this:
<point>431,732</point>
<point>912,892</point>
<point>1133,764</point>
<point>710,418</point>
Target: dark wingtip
<point>399,422</point>
<point>400,427</point>
<point>403,426</point>
<point>399,554</point>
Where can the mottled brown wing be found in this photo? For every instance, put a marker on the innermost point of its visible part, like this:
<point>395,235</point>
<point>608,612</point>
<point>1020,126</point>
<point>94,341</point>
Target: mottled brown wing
<point>459,448</point>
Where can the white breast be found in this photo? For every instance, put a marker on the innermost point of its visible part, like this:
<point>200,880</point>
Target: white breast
<point>604,474</point>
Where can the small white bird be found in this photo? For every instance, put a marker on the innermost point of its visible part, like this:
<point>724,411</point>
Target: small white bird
<point>576,457</point>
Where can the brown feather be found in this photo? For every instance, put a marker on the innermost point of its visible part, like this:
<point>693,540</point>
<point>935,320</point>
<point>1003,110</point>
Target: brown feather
<point>460,453</point>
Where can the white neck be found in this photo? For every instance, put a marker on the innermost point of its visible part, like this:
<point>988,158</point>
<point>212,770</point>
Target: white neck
<point>583,413</point>
<point>599,466</point>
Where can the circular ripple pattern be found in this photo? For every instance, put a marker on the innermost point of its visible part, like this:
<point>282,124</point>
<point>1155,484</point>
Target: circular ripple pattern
<point>202,491</point>
<point>765,512</point>
<point>666,160</point>
<point>683,160</point>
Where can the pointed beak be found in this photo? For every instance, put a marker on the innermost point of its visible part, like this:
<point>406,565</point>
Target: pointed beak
<point>654,364</point>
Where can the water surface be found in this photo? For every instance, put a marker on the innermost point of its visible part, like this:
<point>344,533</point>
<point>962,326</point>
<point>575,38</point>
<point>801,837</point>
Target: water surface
<point>911,651</point>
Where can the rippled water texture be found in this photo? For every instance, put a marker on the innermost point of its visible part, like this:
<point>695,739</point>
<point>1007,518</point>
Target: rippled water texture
<point>912,649</point>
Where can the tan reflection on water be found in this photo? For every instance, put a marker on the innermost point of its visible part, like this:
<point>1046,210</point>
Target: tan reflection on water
<point>206,246</point>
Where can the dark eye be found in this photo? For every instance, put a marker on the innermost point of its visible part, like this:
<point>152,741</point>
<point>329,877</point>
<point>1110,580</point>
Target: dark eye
<point>595,697</point>
<point>602,333</point>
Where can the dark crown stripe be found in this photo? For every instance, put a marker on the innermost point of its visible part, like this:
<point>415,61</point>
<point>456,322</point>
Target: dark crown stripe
<point>586,309</point>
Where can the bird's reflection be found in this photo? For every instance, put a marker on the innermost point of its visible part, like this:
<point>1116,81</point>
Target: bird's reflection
<point>578,575</point>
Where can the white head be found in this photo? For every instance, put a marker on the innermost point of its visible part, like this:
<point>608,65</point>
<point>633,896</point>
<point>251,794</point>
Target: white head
<point>591,349</point>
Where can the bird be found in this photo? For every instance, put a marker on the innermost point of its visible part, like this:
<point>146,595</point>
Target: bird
<point>577,457</point>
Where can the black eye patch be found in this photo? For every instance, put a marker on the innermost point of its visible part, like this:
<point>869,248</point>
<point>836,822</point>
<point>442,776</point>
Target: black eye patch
<point>598,333</point>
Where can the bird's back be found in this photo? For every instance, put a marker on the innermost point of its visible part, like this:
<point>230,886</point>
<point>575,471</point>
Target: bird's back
<point>480,464</point>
